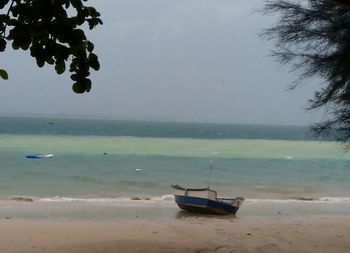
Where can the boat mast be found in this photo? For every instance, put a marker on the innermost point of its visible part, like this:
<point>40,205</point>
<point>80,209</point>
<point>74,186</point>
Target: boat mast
<point>210,173</point>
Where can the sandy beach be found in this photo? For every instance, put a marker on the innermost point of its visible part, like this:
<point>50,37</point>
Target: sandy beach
<point>193,234</point>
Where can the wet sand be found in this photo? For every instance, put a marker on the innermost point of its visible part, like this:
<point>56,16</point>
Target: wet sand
<point>188,234</point>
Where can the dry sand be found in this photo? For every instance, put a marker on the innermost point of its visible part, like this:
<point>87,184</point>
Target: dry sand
<point>197,235</point>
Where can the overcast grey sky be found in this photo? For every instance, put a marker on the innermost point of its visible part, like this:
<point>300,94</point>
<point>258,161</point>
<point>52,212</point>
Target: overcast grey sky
<point>173,60</point>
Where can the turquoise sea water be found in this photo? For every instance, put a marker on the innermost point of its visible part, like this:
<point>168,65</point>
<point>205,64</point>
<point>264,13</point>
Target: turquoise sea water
<point>109,160</point>
<point>99,166</point>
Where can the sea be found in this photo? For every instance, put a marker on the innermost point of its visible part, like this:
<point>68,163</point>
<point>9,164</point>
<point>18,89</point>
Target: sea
<point>109,168</point>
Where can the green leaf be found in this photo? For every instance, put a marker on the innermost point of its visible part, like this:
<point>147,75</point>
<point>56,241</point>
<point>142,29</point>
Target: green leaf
<point>75,77</point>
<point>40,62</point>
<point>3,74</point>
<point>78,35</point>
<point>90,46</point>
<point>76,3</point>
<point>78,88</point>
<point>15,45</point>
<point>93,62</point>
<point>2,44</point>
<point>60,67</point>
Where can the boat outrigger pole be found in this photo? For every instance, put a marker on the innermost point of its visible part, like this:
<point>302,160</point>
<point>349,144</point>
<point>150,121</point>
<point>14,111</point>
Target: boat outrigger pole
<point>210,173</point>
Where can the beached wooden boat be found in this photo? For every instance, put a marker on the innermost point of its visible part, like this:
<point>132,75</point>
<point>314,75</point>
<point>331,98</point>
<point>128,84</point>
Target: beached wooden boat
<point>205,200</point>
<point>39,155</point>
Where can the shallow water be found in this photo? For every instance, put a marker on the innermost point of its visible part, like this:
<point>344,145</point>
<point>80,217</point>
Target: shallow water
<point>271,163</point>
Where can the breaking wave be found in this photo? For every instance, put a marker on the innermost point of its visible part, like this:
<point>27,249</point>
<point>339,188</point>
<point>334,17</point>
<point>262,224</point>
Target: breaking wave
<point>109,200</point>
<point>167,199</point>
<point>303,200</point>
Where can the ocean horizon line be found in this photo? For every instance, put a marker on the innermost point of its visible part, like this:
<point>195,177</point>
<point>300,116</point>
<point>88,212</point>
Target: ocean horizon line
<point>145,120</point>
<point>101,127</point>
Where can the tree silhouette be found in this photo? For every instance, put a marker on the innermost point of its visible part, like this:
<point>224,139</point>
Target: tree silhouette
<point>51,31</point>
<point>342,2</point>
<point>314,36</point>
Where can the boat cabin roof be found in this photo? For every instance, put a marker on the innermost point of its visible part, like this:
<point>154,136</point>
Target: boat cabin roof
<point>178,187</point>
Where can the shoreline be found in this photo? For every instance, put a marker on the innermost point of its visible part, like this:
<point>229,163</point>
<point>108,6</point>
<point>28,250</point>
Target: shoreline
<point>189,234</point>
<point>158,210</point>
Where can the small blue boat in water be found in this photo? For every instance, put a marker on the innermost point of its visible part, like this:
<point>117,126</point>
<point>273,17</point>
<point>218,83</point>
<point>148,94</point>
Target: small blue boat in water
<point>205,200</point>
<point>39,155</point>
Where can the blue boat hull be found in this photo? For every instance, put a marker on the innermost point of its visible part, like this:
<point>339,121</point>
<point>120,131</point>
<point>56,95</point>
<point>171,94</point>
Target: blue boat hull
<point>37,156</point>
<point>202,205</point>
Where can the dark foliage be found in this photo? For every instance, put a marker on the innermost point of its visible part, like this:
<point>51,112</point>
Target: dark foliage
<point>50,30</point>
<point>342,2</point>
<point>314,36</point>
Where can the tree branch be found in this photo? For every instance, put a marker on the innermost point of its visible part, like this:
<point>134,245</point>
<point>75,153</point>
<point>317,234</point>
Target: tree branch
<point>345,3</point>
<point>3,32</point>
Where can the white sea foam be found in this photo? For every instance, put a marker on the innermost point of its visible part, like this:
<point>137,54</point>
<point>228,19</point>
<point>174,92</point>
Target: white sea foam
<point>68,199</point>
<point>170,198</point>
<point>120,200</point>
<point>324,200</point>
<point>335,199</point>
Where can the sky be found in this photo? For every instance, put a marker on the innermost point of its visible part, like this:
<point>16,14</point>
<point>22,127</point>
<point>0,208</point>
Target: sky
<point>168,60</point>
